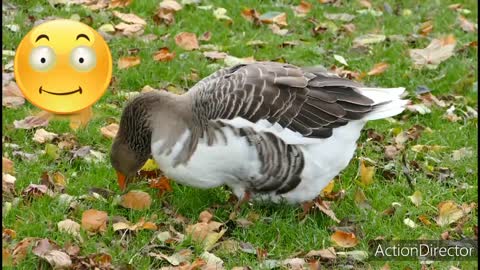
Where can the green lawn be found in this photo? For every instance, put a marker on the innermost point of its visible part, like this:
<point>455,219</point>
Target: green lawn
<point>276,228</point>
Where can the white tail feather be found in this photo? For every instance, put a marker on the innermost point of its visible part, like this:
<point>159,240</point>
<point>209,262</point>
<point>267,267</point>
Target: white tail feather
<point>390,96</point>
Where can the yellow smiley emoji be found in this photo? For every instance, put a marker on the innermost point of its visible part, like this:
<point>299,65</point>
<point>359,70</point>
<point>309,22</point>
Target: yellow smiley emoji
<point>63,66</point>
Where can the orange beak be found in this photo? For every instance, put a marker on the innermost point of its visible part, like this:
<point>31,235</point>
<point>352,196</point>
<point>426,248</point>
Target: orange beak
<point>121,180</point>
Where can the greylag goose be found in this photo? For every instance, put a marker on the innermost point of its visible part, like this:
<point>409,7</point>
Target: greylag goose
<point>266,130</point>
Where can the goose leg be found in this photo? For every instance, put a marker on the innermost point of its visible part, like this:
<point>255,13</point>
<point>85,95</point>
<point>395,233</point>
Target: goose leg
<point>246,197</point>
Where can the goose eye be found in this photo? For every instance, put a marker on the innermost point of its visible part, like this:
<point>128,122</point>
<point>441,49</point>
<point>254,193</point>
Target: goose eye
<point>83,58</point>
<point>42,58</point>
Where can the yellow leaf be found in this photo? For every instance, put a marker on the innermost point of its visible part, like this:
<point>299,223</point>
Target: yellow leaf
<point>150,165</point>
<point>328,189</point>
<point>416,198</point>
<point>449,212</point>
<point>366,173</point>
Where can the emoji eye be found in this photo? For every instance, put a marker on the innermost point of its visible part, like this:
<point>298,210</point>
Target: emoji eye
<point>83,58</point>
<point>42,58</point>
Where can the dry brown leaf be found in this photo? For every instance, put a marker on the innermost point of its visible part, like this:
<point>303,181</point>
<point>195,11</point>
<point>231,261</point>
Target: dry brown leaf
<point>7,166</point>
<point>424,219</point>
<point>43,136</point>
<point>130,30</point>
<point>366,173</point>
<point>34,190</point>
<point>215,55</point>
<point>206,232</point>
<point>277,30</point>
<point>328,253</point>
<point>365,3</point>
<point>324,206</point>
<point>436,52</point>
<point>94,221</point>
<point>34,121</point>
<point>12,97</point>
<point>20,251</point>
<point>163,55</point>
<point>251,15</point>
<point>110,131</point>
<point>378,68</point>
<point>140,225</point>
<point>166,12</point>
<point>137,200</point>
<point>119,3</point>
<point>449,212</point>
<point>344,239</point>
<point>466,25</point>
<point>162,184</point>
<point>128,61</point>
<point>71,227</point>
<point>129,18</point>
<point>274,17</point>
<point>302,9</point>
<point>205,36</point>
<point>8,184</point>
<point>187,41</point>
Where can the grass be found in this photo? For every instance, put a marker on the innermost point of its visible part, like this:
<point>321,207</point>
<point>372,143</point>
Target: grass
<point>278,230</point>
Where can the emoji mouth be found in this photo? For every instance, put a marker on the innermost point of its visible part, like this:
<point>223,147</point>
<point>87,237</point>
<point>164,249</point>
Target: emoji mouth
<point>40,90</point>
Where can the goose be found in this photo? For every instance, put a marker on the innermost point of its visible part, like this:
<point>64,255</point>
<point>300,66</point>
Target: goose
<point>267,130</point>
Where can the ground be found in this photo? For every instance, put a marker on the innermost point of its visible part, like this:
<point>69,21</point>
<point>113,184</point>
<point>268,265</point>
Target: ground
<point>438,174</point>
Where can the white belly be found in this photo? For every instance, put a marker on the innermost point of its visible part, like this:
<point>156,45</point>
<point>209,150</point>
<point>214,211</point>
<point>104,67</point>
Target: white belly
<point>210,166</point>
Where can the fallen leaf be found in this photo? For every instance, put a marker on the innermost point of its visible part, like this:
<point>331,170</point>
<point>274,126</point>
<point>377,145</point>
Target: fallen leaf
<point>378,68</point>
<point>21,249</point>
<point>214,55</point>
<point>130,30</point>
<point>162,184</point>
<point>464,152</point>
<point>302,9</point>
<point>7,166</point>
<point>137,200</point>
<point>233,61</point>
<point>34,190</point>
<point>344,239</point>
<point>129,18</point>
<point>251,15</point>
<point>31,122</point>
<point>205,36</point>
<point>340,59</point>
<point>436,52</point>
<point>328,189</point>
<point>71,227</point>
<point>449,212</point>
<point>119,3</point>
<point>221,14</point>
<point>8,184</point>
<point>163,55</point>
<point>49,252</point>
<point>328,253</point>
<point>424,220</point>
<point>368,39</point>
<point>206,232</point>
<point>416,198</point>
<point>426,27</point>
<point>94,220</point>
<point>181,257</point>
<point>187,41</point>
<point>140,225</point>
<point>12,97</point>
<point>128,61</point>
<point>212,261</point>
<point>324,206</point>
<point>390,152</point>
<point>42,136</point>
<point>277,30</point>
<point>466,25</point>
<point>344,17</point>
<point>427,148</point>
<point>366,173</point>
<point>274,17</point>
<point>410,223</point>
<point>110,131</point>
<point>361,200</point>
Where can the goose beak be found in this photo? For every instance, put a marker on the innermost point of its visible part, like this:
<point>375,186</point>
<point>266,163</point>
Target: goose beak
<point>121,181</point>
